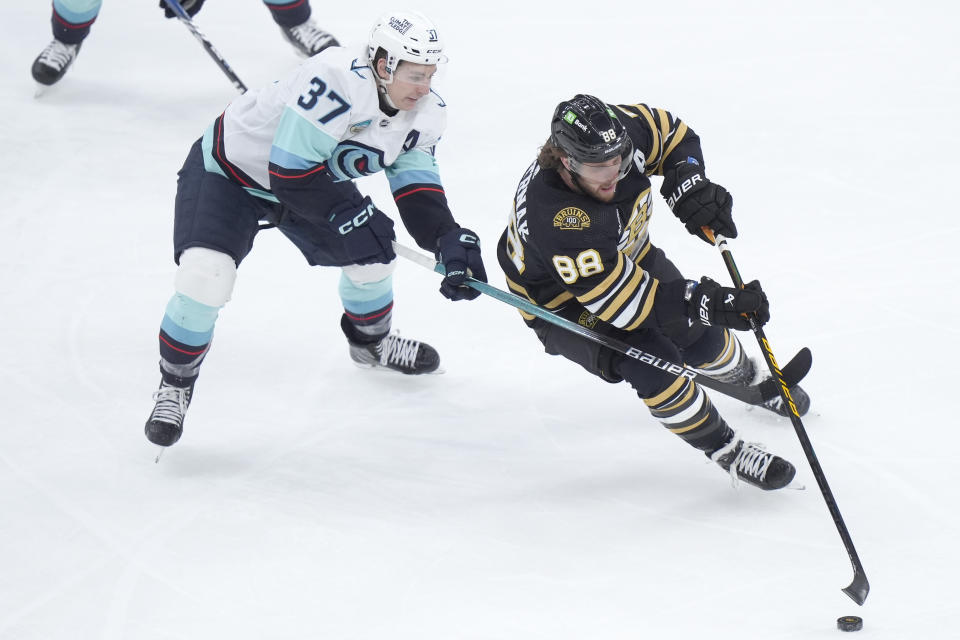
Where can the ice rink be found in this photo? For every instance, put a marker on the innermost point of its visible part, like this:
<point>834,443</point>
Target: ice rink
<point>513,497</point>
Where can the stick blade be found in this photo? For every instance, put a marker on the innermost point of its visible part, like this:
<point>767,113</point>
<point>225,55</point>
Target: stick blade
<point>858,589</point>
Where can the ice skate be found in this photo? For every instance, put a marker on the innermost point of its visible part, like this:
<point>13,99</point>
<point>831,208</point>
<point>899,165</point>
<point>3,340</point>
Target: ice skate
<point>749,462</point>
<point>165,425</point>
<point>308,39</point>
<point>749,372</point>
<point>800,400</point>
<point>53,62</point>
<point>396,353</point>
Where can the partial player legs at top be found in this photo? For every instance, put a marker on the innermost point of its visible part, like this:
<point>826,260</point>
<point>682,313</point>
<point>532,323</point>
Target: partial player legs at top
<point>71,22</point>
<point>72,19</point>
<point>297,27</point>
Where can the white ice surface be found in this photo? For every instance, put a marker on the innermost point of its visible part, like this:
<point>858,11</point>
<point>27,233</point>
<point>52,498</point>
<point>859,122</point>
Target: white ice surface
<point>514,497</point>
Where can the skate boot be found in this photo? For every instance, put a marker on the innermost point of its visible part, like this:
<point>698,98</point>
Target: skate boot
<point>749,372</point>
<point>308,39</point>
<point>165,424</point>
<point>54,61</point>
<point>747,461</point>
<point>400,354</point>
<point>800,400</point>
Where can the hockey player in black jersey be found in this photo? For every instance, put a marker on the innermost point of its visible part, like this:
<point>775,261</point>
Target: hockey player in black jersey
<point>577,244</point>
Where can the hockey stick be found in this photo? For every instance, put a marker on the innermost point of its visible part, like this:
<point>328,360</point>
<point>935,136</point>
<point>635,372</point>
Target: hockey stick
<point>757,394</point>
<point>860,586</point>
<point>184,17</point>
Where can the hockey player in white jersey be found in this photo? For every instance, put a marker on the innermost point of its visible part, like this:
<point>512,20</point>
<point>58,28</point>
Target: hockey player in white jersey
<point>285,156</point>
<point>71,21</point>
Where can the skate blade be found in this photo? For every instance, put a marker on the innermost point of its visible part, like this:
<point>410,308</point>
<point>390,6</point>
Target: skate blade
<point>381,369</point>
<point>157,459</point>
<point>40,90</point>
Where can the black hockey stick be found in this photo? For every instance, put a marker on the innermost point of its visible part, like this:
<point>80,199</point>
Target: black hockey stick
<point>184,17</point>
<point>860,586</point>
<point>757,394</point>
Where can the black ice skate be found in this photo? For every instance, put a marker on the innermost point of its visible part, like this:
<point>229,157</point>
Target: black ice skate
<point>748,461</point>
<point>53,62</point>
<point>800,400</point>
<point>749,372</point>
<point>165,424</point>
<point>396,353</point>
<point>308,39</point>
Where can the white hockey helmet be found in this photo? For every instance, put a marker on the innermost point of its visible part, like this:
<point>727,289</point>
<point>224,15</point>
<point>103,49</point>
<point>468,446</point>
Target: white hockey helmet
<point>405,35</point>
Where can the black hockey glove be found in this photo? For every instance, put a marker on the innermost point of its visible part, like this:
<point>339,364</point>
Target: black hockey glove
<point>190,6</point>
<point>710,304</point>
<point>459,252</point>
<point>367,232</point>
<point>698,202</point>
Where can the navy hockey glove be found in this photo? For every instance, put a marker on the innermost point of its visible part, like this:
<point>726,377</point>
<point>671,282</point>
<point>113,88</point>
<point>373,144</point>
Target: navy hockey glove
<point>458,250</point>
<point>709,304</point>
<point>190,6</point>
<point>367,232</point>
<point>698,202</point>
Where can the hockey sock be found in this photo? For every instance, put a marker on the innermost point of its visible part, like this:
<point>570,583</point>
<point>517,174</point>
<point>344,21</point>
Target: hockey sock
<point>718,354</point>
<point>289,14</point>
<point>72,19</point>
<point>687,411</point>
<point>185,334</point>
<point>368,307</point>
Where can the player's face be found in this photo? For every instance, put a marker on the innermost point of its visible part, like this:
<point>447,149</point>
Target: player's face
<point>598,179</point>
<point>411,81</point>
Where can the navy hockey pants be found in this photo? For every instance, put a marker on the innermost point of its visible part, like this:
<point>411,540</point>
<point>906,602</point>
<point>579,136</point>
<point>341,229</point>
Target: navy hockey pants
<point>213,212</point>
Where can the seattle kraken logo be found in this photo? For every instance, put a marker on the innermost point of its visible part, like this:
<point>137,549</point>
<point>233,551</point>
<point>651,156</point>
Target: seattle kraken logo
<point>353,160</point>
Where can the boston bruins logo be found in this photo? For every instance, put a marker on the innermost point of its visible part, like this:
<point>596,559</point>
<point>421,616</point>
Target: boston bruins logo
<point>587,320</point>
<point>572,218</point>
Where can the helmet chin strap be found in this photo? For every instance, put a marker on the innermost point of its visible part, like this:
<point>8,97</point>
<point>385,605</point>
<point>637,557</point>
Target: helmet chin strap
<point>385,100</point>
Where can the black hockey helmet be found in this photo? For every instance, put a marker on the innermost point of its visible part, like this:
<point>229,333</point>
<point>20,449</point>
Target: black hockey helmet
<point>587,130</point>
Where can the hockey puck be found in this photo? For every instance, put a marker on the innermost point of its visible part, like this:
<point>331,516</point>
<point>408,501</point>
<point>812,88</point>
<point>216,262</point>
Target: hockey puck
<point>850,623</point>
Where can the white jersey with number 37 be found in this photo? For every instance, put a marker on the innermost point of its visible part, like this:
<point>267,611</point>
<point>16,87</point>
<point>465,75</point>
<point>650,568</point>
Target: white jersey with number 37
<point>325,114</point>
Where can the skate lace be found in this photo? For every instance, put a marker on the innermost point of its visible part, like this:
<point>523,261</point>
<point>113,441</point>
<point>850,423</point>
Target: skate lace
<point>310,36</point>
<point>57,54</point>
<point>752,461</point>
<point>399,351</point>
<point>172,403</point>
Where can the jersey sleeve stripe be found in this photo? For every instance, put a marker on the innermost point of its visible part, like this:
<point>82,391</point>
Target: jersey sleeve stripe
<point>559,300</point>
<point>647,307</point>
<point>629,296</point>
<point>677,139</point>
<point>406,178</point>
<point>635,300</point>
<point>654,156</point>
<point>287,160</point>
<point>601,289</point>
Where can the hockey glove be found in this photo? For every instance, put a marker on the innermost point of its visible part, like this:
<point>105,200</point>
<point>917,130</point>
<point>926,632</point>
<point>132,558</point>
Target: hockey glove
<point>459,252</point>
<point>366,232</point>
<point>709,304</point>
<point>698,202</point>
<point>190,6</point>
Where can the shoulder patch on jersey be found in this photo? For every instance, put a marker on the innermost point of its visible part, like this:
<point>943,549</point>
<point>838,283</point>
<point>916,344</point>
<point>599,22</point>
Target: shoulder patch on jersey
<point>357,127</point>
<point>572,218</point>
